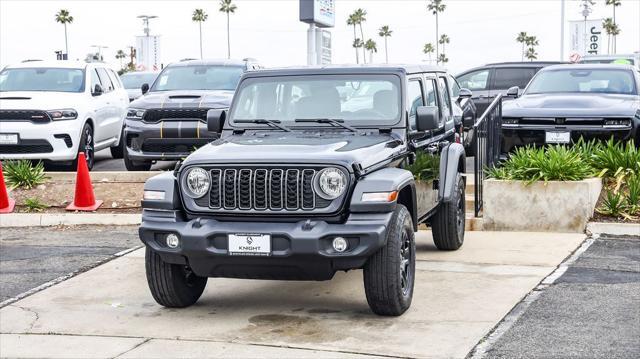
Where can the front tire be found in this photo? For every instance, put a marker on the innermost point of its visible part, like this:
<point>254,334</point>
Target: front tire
<point>132,165</point>
<point>389,274</point>
<point>449,221</point>
<point>117,152</point>
<point>172,285</point>
<point>86,145</point>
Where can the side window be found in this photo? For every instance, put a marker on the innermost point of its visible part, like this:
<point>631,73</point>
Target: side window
<point>115,80</point>
<point>107,86</point>
<point>95,80</point>
<point>430,93</point>
<point>476,80</point>
<point>446,98</point>
<point>505,78</point>
<point>453,86</point>
<point>414,99</point>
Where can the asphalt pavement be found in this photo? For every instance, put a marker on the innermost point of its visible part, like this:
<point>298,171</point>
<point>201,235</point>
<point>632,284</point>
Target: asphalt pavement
<point>591,311</point>
<point>31,257</point>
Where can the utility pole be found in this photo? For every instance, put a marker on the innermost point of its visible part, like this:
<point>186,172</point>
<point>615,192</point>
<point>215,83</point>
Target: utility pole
<point>562,29</point>
<point>145,22</point>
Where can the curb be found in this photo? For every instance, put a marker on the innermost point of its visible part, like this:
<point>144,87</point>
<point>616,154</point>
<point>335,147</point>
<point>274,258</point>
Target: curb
<point>103,176</point>
<point>615,229</point>
<point>68,219</point>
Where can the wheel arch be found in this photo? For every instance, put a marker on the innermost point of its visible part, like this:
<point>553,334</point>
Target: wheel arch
<point>452,162</point>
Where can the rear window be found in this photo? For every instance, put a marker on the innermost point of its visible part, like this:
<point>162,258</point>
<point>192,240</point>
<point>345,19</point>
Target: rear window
<point>505,78</point>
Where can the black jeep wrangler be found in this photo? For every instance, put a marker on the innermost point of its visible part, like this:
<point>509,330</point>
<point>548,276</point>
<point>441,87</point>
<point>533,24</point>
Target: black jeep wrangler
<point>317,170</point>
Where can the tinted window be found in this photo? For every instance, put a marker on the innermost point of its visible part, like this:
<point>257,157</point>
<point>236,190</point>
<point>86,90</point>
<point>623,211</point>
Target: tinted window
<point>610,81</point>
<point>431,93</point>
<point>95,80</point>
<point>114,79</point>
<point>42,79</point>
<point>414,99</point>
<point>505,78</point>
<point>198,77</point>
<point>357,99</point>
<point>476,80</point>
<point>444,89</point>
<point>453,86</point>
<point>134,80</point>
<point>107,86</point>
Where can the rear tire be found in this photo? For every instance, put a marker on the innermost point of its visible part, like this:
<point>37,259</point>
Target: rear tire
<point>449,221</point>
<point>132,165</point>
<point>389,274</point>
<point>172,285</point>
<point>117,152</point>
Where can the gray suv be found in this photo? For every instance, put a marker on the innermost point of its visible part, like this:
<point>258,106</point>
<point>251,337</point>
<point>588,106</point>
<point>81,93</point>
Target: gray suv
<point>169,121</point>
<point>318,170</point>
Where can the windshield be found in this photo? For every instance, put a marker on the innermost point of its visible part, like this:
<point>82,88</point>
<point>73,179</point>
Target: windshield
<point>363,100</point>
<point>135,80</point>
<point>198,77</point>
<point>42,79</point>
<point>610,81</point>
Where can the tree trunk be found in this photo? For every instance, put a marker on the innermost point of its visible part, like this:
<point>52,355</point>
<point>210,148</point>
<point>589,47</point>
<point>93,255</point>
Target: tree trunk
<point>371,56</point>
<point>613,46</point>
<point>522,52</point>
<point>386,50</point>
<point>66,44</point>
<point>437,38</point>
<point>364,51</point>
<point>354,41</point>
<point>228,39</point>
<point>200,23</point>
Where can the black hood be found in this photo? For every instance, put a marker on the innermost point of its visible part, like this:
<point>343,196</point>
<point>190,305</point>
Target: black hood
<point>572,105</point>
<point>322,147</point>
<point>184,99</point>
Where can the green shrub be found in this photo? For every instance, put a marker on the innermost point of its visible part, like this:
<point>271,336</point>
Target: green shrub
<point>613,204</point>
<point>23,173</point>
<point>612,157</point>
<point>633,194</point>
<point>425,167</point>
<point>34,205</point>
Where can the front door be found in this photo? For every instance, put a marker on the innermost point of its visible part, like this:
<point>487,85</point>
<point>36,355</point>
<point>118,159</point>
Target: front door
<point>478,83</point>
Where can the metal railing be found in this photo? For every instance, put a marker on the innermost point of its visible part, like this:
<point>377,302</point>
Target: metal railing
<point>488,138</point>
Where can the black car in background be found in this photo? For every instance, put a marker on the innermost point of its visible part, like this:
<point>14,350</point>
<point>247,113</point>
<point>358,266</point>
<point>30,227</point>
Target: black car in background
<point>169,121</point>
<point>133,81</point>
<point>563,103</point>
<point>487,81</point>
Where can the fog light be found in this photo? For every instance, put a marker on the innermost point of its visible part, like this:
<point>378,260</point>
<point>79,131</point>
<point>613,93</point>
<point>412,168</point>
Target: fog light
<point>172,240</point>
<point>340,244</point>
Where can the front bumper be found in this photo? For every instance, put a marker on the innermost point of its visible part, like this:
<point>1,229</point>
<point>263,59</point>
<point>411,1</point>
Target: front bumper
<point>522,135</point>
<point>165,140</point>
<point>53,141</point>
<point>299,250</point>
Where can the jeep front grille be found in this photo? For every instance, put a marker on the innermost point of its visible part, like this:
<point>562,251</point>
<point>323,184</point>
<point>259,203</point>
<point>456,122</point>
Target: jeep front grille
<point>283,190</point>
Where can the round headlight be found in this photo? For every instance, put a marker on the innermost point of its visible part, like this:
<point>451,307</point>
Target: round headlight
<point>331,183</point>
<point>197,182</point>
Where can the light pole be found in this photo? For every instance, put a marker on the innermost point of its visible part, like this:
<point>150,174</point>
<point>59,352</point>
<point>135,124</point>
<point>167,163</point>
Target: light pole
<point>562,30</point>
<point>145,22</point>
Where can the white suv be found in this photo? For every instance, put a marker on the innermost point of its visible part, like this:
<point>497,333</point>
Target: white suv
<point>53,110</point>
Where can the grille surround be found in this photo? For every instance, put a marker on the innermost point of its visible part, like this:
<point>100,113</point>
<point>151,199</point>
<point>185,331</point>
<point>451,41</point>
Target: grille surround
<point>156,115</point>
<point>34,116</point>
<point>263,189</point>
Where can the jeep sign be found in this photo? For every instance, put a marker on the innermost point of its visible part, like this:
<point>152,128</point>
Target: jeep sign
<point>586,37</point>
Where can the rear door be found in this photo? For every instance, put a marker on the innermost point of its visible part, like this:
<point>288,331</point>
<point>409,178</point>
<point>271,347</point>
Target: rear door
<point>506,77</point>
<point>478,82</point>
<point>109,127</point>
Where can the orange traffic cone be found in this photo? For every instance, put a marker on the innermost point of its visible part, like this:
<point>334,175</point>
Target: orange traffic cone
<point>84,199</point>
<point>6,204</point>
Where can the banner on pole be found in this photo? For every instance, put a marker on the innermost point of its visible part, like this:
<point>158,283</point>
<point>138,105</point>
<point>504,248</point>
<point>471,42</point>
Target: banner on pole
<point>586,37</point>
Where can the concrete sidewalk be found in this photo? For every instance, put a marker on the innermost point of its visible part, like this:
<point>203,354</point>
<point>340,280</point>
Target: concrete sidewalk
<point>459,297</point>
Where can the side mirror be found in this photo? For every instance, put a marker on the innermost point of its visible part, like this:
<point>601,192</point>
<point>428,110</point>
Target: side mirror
<point>97,90</point>
<point>465,93</point>
<point>144,88</point>
<point>215,120</point>
<point>427,118</point>
<point>513,91</point>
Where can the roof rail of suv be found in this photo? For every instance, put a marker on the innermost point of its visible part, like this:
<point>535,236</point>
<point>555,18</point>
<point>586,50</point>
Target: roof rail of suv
<point>523,63</point>
<point>31,60</point>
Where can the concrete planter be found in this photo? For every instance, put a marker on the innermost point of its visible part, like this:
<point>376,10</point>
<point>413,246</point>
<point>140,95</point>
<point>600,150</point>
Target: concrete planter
<point>539,207</point>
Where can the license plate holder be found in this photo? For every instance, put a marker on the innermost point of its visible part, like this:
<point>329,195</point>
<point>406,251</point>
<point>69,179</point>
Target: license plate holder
<point>8,138</point>
<point>561,137</point>
<point>249,244</point>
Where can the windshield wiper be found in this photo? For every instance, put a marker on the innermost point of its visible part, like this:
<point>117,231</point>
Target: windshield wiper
<point>260,121</point>
<point>334,122</point>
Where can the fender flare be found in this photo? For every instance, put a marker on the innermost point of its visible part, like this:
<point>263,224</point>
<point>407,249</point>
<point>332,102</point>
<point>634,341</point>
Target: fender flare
<point>452,161</point>
<point>384,180</point>
<point>165,182</point>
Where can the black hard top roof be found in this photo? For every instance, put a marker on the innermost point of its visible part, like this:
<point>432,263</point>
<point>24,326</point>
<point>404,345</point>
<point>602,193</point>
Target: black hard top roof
<point>347,69</point>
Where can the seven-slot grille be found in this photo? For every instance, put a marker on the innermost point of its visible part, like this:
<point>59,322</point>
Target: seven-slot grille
<point>263,189</point>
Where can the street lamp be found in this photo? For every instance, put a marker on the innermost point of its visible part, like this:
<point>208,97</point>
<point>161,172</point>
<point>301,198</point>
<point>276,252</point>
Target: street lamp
<point>145,22</point>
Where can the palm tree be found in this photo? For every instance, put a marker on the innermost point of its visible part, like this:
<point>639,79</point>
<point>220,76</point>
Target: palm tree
<point>360,17</point>
<point>352,20</point>
<point>612,30</point>
<point>443,58</point>
<point>121,55</point>
<point>615,4</point>
<point>428,50</point>
<point>372,47</point>
<point>531,54</point>
<point>444,39</point>
<point>522,37</point>
<point>385,33</point>
<point>358,43</point>
<point>436,7</point>
<point>199,16</point>
<point>227,7</point>
<point>64,18</point>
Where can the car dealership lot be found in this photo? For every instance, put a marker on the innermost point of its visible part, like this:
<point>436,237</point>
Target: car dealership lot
<point>460,296</point>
